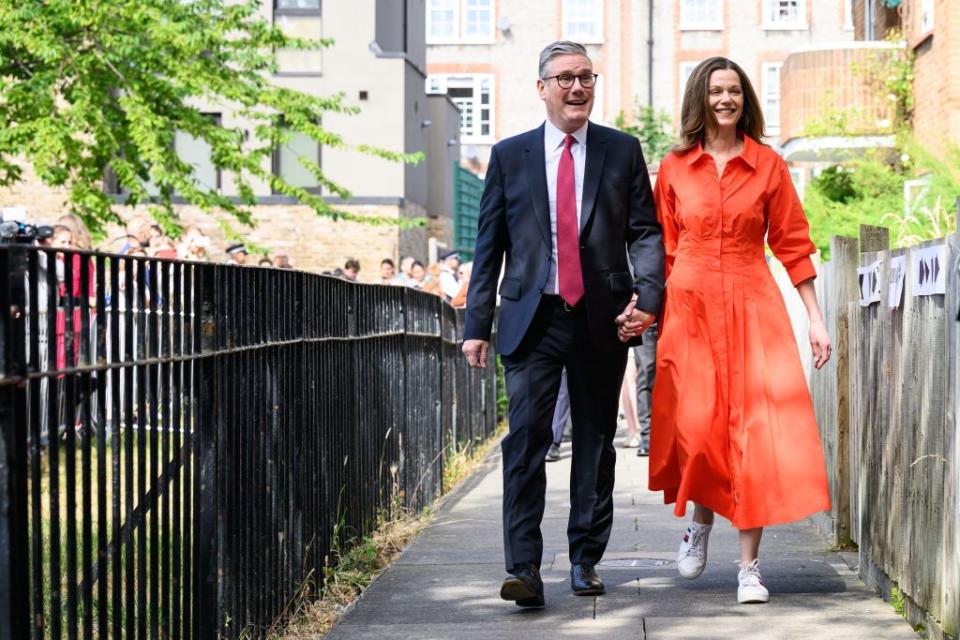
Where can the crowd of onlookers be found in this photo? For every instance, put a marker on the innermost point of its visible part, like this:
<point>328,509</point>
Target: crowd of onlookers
<point>143,236</point>
<point>449,278</point>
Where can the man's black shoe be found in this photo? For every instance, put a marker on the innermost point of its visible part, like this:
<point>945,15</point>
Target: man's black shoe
<point>584,580</point>
<point>524,587</point>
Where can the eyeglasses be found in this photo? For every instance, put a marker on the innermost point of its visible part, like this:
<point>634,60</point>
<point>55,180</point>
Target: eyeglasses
<point>565,80</point>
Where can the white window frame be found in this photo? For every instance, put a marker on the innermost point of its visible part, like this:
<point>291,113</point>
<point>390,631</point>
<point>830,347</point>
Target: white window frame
<point>915,193</point>
<point>767,94</point>
<point>441,83</point>
<point>928,12</point>
<point>597,19</point>
<point>798,176</point>
<point>769,23</point>
<point>688,23</point>
<point>848,15</point>
<point>460,25</point>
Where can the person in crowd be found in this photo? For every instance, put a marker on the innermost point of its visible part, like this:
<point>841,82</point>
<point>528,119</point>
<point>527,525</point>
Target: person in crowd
<point>566,211</point>
<point>80,235</point>
<point>418,275</point>
<point>264,262</point>
<point>387,271</point>
<point>463,275</point>
<point>431,283</point>
<point>733,423</point>
<point>281,259</point>
<point>193,245</point>
<point>237,254</point>
<point>351,269</point>
<point>645,361</point>
<point>405,275</point>
<point>140,228</point>
<point>163,247</point>
<point>628,403</point>
<point>449,283</point>
<point>561,418</point>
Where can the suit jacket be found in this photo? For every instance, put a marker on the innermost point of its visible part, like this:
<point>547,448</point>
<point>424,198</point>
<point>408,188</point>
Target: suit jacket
<point>617,223</point>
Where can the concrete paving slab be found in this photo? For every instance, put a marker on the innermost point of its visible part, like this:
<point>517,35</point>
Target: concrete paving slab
<point>446,584</point>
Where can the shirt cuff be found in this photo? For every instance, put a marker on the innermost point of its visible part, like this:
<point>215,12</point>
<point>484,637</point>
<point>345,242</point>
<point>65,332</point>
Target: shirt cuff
<point>801,270</point>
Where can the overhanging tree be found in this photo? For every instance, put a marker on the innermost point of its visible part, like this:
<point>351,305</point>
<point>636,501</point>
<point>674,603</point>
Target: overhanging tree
<point>88,86</point>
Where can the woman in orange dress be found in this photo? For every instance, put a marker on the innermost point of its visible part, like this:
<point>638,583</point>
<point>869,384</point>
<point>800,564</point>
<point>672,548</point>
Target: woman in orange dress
<point>733,427</point>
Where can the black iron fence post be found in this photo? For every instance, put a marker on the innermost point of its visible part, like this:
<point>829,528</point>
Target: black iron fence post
<point>206,610</point>
<point>14,556</point>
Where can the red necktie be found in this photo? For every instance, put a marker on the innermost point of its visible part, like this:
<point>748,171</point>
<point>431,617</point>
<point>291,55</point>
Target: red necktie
<point>569,275</point>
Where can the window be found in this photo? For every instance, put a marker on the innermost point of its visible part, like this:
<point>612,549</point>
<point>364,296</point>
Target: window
<point>927,12</point>
<point>299,19</point>
<point>704,15</point>
<point>583,20</point>
<point>473,94</point>
<point>686,69</point>
<point>799,178</point>
<point>287,161</point>
<point>848,14</point>
<point>771,97</point>
<point>460,21</point>
<point>296,7</point>
<point>198,153</point>
<point>784,14</point>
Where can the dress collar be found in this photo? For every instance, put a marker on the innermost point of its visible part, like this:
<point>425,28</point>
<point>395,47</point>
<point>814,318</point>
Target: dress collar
<point>749,154</point>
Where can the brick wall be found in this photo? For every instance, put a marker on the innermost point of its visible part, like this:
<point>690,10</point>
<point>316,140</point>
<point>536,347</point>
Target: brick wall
<point>936,94</point>
<point>314,243</point>
<point>818,83</point>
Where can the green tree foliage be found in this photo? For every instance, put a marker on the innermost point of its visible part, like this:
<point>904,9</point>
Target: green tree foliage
<point>651,127</point>
<point>88,86</point>
<point>845,196</point>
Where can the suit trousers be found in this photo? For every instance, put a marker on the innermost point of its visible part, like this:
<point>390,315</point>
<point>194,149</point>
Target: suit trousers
<point>559,338</point>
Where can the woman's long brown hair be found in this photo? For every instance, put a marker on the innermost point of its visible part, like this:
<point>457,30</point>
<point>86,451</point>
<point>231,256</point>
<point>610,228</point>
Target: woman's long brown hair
<point>697,120</point>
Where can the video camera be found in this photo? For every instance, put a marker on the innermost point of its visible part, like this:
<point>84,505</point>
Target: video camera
<point>14,231</point>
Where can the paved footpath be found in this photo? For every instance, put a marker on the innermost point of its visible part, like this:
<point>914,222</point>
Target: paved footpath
<point>446,584</point>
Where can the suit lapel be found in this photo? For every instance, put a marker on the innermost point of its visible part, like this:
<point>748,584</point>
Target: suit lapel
<point>535,168</point>
<point>596,152</point>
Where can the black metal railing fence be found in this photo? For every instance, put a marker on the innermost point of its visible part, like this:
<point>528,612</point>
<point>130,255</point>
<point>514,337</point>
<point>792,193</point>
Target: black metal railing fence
<point>183,445</point>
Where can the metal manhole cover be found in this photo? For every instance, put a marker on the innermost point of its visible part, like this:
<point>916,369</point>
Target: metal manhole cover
<point>646,563</point>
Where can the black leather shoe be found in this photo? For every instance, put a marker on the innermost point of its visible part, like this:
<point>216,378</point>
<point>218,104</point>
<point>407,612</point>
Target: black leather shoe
<point>584,580</point>
<point>524,587</point>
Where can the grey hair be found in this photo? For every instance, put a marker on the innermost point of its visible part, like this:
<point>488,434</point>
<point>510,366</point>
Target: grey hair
<point>560,48</point>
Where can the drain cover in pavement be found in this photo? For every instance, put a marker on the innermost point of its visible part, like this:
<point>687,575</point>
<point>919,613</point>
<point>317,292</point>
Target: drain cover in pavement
<point>646,563</point>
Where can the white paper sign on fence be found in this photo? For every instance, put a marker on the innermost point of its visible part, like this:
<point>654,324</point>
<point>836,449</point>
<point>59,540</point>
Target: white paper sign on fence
<point>929,270</point>
<point>869,277</point>
<point>897,275</point>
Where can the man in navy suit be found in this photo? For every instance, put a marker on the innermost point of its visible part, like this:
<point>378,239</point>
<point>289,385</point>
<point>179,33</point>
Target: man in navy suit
<point>570,208</point>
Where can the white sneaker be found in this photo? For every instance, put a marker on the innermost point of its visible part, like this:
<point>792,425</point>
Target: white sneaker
<point>633,442</point>
<point>692,555</point>
<point>751,588</point>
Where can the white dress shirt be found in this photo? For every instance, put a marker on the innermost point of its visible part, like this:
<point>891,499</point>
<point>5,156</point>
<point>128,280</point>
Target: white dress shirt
<point>553,149</point>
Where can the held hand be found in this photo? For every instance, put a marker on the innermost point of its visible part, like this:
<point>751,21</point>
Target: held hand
<point>476,353</point>
<point>820,343</point>
<point>632,322</point>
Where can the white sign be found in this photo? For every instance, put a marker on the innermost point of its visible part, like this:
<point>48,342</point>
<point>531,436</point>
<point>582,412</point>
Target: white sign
<point>13,213</point>
<point>869,277</point>
<point>897,274</point>
<point>929,270</point>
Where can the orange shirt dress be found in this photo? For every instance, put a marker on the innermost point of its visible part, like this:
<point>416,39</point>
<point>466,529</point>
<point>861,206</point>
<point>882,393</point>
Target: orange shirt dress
<point>733,426</point>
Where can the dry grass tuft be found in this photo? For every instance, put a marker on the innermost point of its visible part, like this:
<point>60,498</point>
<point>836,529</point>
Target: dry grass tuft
<point>356,568</point>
